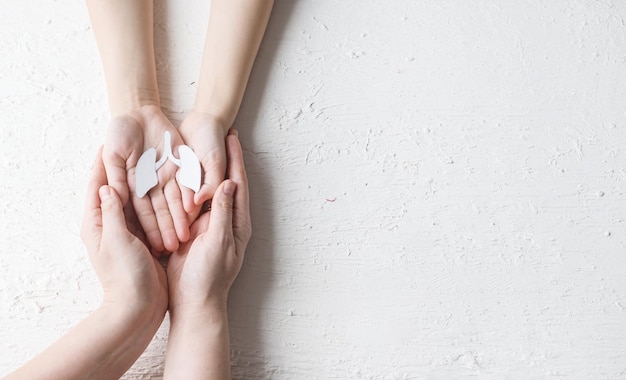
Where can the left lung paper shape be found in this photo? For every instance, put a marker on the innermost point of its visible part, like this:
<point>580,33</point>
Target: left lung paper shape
<point>145,172</point>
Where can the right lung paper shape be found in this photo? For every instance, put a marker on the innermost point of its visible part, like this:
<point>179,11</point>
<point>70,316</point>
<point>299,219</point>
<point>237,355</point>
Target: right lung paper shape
<point>189,173</point>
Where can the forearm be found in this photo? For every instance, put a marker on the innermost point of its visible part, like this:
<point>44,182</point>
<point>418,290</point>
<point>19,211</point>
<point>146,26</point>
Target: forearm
<point>235,31</point>
<point>198,346</point>
<point>124,34</point>
<point>104,345</point>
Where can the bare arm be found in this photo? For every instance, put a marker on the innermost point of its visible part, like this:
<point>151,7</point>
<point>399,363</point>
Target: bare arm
<point>235,31</point>
<point>104,345</point>
<point>200,275</point>
<point>198,345</point>
<point>108,341</point>
<point>124,33</point>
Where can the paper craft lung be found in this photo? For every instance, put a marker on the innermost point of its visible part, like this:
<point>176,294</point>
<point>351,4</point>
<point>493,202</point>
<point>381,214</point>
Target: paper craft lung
<point>189,174</point>
<point>145,173</point>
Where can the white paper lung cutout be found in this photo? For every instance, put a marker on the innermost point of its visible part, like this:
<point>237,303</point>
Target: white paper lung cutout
<point>145,173</point>
<point>189,174</point>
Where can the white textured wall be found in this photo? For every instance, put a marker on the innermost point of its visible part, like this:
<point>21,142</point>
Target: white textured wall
<point>438,187</point>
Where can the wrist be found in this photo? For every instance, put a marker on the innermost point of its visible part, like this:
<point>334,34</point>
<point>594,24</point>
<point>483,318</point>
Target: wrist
<point>211,313</point>
<point>198,344</point>
<point>138,318</point>
<point>127,100</point>
<point>112,337</point>
<point>207,117</point>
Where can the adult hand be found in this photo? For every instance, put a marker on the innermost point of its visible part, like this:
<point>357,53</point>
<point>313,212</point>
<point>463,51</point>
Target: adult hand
<point>200,275</point>
<point>106,343</point>
<point>161,212</point>
<point>202,271</point>
<point>206,136</point>
<point>130,276</point>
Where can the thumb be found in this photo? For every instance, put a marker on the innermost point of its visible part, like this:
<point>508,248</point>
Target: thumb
<point>221,221</point>
<point>113,220</point>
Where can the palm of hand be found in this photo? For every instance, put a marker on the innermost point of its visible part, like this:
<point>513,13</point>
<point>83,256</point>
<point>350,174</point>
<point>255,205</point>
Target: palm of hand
<point>155,278</point>
<point>161,215</point>
<point>133,273</point>
<point>207,139</point>
<point>116,245</point>
<point>203,269</point>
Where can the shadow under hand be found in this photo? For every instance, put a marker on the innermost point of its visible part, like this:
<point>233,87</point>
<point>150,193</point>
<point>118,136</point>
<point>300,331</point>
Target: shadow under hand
<point>249,297</point>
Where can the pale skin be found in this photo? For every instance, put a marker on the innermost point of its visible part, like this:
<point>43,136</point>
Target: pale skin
<point>135,297</point>
<point>136,291</point>
<point>124,34</point>
<point>201,274</point>
<point>124,233</point>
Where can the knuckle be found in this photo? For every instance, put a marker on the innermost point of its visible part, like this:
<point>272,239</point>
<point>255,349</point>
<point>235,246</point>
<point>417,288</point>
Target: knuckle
<point>226,206</point>
<point>162,213</point>
<point>154,235</point>
<point>144,213</point>
<point>110,157</point>
<point>108,205</point>
<point>244,231</point>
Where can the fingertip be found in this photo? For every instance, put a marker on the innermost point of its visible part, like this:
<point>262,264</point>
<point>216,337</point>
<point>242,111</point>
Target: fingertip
<point>233,132</point>
<point>206,193</point>
<point>229,188</point>
<point>192,216</point>
<point>182,231</point>
<point>109,196</point>
<point>113,219</point>
<point>188,197</point>
<point>170,241</point>
<point>155,241</point>
<point>104,192</point>
<point>230,139</point>
<point>233,145</point>
<point>183,236</point>
<point>222,203</point>
<point>221,220</point>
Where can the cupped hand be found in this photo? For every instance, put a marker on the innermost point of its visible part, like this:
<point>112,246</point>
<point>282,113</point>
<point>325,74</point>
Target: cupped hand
<point>160,212</point>
<point>205,135</point>
<point>202,271</point>
<point>130,276</point>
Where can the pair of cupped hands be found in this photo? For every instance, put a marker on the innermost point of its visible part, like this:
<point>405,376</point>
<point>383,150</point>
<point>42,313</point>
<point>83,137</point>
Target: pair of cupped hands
<point>125,235</point>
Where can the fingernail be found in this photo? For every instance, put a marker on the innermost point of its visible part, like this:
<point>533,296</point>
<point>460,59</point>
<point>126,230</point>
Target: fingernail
<point>229,188</point>
<point>105,192</point>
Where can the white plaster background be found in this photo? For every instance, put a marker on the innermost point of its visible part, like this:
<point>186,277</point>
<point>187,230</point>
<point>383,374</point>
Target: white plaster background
<point>437,186</point>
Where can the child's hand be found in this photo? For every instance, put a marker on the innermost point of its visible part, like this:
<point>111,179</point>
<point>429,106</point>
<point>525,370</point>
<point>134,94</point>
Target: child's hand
<point>201,273</point>
<point>130,276</point>
<point>205,135</point>
<point>161,211</point>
